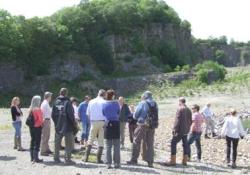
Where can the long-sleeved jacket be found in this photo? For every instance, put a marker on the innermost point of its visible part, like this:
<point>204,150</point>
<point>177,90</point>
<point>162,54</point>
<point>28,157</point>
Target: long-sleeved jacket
<point>124,113</point>
<point>183,121</point>
<point>63,115</point>
<point>141,112</point>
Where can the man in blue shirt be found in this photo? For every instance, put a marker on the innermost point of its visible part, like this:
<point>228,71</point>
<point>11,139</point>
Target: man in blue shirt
<point>84,119</point>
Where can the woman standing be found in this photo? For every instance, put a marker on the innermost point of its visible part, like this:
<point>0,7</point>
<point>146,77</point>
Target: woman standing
<point>111,110</point>
<point>17,122</point>
<point>36,130</point>
<point>233,131</point>
<point>132,123</point>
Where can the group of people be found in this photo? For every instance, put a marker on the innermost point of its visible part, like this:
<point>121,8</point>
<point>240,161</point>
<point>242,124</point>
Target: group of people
<point>105,118</point>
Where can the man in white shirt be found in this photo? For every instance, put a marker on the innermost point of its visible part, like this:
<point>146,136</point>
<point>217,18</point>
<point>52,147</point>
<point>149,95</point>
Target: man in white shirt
<point>46,110</point>
<point>210,125</point>
<point>97,121</point>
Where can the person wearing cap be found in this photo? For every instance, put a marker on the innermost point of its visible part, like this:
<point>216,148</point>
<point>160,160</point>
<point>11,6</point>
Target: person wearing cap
<point>46,111</point>
<point>65,126</point>
<point>143,132</point>
<point>97,122</point>
<point>195,132</point>
<point>208,116</point>
<point>183,121</point>
<point>233,130</point>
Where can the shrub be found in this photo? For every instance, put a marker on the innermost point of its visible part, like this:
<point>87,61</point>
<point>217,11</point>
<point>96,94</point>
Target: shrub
<point>202,71</point>
<point>177,68</point>
<point>186,68</point>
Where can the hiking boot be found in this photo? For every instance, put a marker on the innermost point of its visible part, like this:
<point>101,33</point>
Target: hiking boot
<point>69,162</point>
<point>150,165</point>
<point>36,158</point>
<point>234,165</point>
<point>108,166</point>
<point>77,141</point>
<point>15,142</point>
<point>99,155</point>
<point>87,153</point>
<point>132,162</point>
<point>206,136</point>
<point>214,135</point>
<point>31,155</point>
<point>172,161</point>
<point>184,160</point>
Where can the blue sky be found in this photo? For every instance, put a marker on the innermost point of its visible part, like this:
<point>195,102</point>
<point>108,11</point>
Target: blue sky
<point>208,17</point>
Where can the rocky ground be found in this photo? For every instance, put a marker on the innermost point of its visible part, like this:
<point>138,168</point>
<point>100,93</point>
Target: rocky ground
<point>13,162</point>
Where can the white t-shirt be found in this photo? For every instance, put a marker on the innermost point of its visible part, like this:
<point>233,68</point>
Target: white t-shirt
<point>76,111</point>
<point>94,110</point>
<point>46,109</point>
<point>233,127</point>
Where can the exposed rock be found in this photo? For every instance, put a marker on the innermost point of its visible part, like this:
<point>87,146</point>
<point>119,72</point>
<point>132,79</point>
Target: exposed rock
<point>10,76</point>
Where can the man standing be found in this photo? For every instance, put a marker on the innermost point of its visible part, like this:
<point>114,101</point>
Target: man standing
<point>180,132</point>
<point>46,110</point>
<point>146,115</point>
<point>208,114</point>
<point>123,117</point>
<point>84,119</point>
<point>97,122</point>
<point>65,125</point>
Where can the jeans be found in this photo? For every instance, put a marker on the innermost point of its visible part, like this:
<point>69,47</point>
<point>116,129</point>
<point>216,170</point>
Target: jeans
<point>36,134</point>
<point>195,137</point>
<point>112,143</point>
<point>85,130</point>
<point>69,145</point>
<point>235,142</point>
<point>17,125</point>
<point>177,139</point>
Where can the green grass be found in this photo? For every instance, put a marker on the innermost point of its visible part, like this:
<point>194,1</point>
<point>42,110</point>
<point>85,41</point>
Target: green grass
<point>246,124</point>
<point>5,127</point>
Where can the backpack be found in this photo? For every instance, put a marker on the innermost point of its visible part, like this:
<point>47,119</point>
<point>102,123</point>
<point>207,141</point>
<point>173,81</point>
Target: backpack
<point>152,118</point>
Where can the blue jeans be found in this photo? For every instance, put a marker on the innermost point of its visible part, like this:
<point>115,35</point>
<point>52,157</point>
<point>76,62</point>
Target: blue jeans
<point>85,130</point>
<point>195,137</point>
<point>17,125</point>
<point>177,139</point>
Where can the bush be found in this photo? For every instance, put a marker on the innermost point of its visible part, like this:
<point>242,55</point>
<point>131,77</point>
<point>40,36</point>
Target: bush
<point>202,71</point>
<point>186,68</point>
<point>177,68</point>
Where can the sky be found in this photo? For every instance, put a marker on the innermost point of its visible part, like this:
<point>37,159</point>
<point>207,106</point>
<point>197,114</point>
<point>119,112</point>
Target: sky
<point>207,17</point>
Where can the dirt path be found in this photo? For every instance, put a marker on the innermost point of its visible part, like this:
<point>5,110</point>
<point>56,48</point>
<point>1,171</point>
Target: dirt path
<point>18,163</point>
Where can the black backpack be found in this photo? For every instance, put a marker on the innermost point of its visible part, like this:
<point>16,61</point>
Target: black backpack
<point>30,122</point>
<point>152,118</point>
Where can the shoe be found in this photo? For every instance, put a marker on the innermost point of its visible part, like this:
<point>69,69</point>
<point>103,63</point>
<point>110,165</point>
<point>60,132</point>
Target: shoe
<point>36,158</point>
<point>214,135</point>
<point>206,136</point>
<point>234,165</point>
<point>57,161</point>
<point>31,155</point>
<point>50,152</point>
<point>99,155</point>
<point>150,165</point>
<point>122,147</point>
<point>172,161</point>
<point>15,142</point>
<point>109,166</point>
<point>77,141</point>
<point>70,162</point>
<point>117,166</point>
<point>62,148</point>
<point>45,154</point>
<point>19,144</point>
<point>87,153</point>
<point>184,160</point>
<point>132,162</point>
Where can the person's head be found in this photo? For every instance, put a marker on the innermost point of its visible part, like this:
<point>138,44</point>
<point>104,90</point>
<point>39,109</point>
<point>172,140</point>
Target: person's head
<point>132,108</point>
<point>147,95</point>
<point>64,92</point>
<point>35,102</point>
<point>87,98</point>
<point>74,100</point>
<point>182,101</point>
<point>195,108</point>
<point>48,96</point>
<point>110,94</point>
<point>208,105</point>
<point>15,101</point>
<point>121,100</point>
<point>233,112</point>
<point>102,93</point>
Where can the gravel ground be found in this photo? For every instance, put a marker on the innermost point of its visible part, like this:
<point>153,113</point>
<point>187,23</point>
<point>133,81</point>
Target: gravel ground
<point>13,162</point>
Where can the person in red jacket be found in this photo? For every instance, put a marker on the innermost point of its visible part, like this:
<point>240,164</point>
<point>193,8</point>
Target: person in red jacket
<point>36,129</point>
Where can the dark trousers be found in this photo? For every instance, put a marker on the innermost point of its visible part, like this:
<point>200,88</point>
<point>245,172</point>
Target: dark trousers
<point>132,128</point>
<point>36,134</point>
<point>176,140</point>
<point>143,132</point>
<point>232,141</point>
<point>195,137</point>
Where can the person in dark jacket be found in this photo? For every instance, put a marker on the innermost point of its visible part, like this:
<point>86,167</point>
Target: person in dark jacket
<point>132,123</point>
<point>111,112</point>
<point>180,132</point>
<point>65,125</point>
<point>17,114</point>
<point>123,117</point>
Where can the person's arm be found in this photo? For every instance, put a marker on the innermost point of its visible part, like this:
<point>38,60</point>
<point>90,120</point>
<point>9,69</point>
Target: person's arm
<point>241,129</point>
<point>13,113</point>
<point>224,128</point>
<point>137,111</point>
